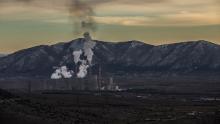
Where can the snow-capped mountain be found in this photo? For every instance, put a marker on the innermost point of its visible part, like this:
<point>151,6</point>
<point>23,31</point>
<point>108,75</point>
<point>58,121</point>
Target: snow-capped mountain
<point>124,57</point>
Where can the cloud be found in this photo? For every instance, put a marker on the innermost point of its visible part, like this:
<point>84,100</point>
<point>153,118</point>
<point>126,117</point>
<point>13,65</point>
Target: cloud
<point>186,18</point>
<point>183,19</point>
<point>127,21</point>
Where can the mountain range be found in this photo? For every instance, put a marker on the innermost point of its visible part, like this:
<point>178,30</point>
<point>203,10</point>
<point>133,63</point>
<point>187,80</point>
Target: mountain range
<point>131,57</point>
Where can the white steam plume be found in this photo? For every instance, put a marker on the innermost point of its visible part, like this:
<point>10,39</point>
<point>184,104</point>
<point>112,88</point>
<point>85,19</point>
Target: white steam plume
<point>88,46</point>
<point>62,72</point>
<point>56,74</point>
<point>83,70</point>
<point>88,53</point>
<point>83,57</point>
<point>77,55</point>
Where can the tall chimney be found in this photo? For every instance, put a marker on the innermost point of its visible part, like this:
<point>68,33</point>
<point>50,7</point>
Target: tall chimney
<point>100,77</point>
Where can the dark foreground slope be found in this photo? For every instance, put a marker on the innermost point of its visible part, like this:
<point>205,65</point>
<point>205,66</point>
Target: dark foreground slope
<point>110,108</point>
<point>133,57</point>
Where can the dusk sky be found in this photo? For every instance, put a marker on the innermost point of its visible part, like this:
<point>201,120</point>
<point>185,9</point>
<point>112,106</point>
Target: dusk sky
<point>27,23</point>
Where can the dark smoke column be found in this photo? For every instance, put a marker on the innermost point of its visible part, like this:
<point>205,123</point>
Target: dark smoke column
<point>82,14</point>
<point>87,36</point>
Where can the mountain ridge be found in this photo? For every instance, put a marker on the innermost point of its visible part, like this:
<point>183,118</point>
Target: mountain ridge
<point>2,55</point>
<point>128,57</point>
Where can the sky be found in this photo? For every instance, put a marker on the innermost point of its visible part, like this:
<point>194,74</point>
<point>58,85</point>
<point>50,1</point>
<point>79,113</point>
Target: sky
<point>27,23</point>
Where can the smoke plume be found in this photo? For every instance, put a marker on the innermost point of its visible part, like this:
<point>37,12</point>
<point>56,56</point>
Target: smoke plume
<point>82,14</point>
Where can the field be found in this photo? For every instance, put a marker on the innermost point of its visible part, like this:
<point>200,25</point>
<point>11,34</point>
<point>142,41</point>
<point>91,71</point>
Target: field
<point>127,107</point>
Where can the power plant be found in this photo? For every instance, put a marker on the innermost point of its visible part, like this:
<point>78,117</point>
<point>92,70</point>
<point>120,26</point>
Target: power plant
<point>81,77</point>
<point>89,83</point>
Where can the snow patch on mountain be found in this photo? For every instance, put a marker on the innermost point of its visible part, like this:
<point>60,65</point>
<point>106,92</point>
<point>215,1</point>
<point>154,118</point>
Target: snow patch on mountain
<point>136,43</point>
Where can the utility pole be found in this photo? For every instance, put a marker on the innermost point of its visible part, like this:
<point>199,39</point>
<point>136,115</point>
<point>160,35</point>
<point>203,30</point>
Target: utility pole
<point>29,86</point>
<point>99,78</point>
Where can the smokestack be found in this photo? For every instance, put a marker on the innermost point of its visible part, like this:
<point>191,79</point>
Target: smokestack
<point>99,78</point>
